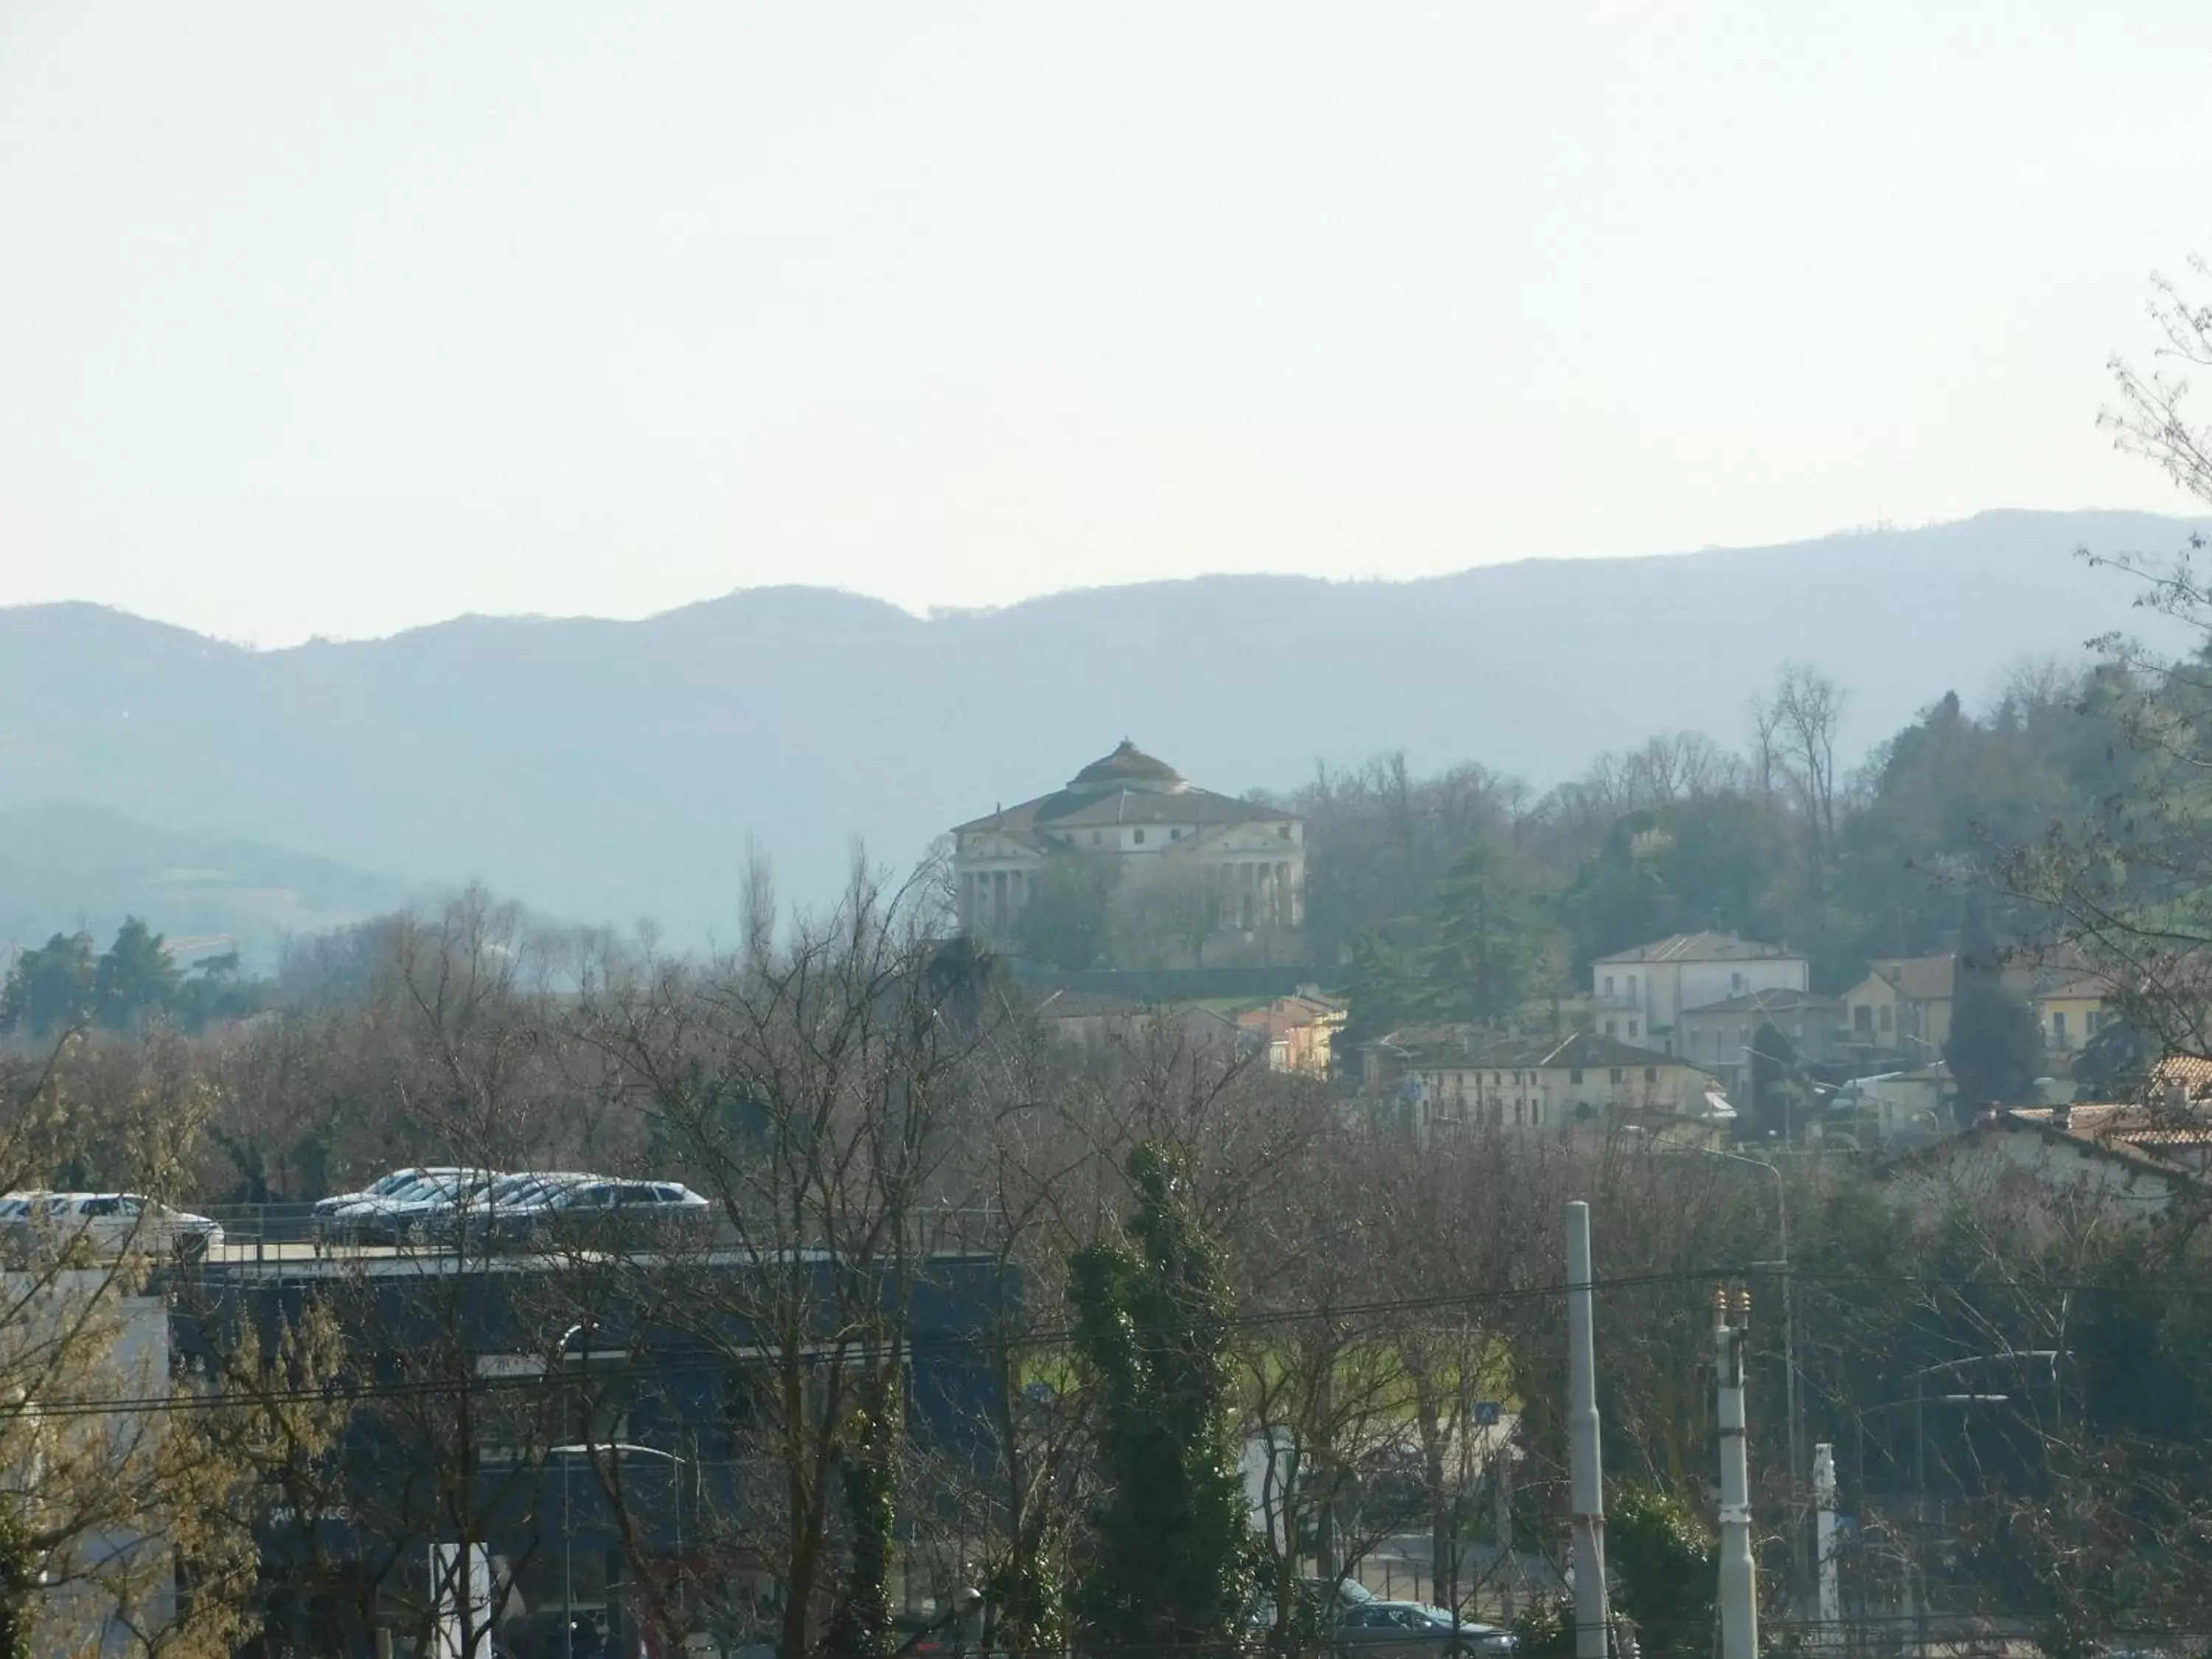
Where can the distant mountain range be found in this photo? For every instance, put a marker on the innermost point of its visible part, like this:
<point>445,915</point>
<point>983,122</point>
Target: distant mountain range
<point>610,771</point>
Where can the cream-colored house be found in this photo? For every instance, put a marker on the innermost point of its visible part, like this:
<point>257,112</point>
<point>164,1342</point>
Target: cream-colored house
<point>1904,1005</point>
<point>1460,1077</point>
<point>2070,1010</point>
<point>1641,993</point>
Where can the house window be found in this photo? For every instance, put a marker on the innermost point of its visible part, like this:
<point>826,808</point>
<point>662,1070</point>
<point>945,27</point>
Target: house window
<point>2058,1028</point>
<point>1608,985</point>
<point>1631,987</point>
<point>1862,1019</point>
<point>1651,1074</point>
<point>2096,1019</point>
<point>1620,1076</point>
<point>1885,1016</point>
<point>1094,838</point>
<point>1175,835</point>
<point>1574,1077</point>
<point>1495,1079</point>
<point>1140,838</point>
<point>1612,1027</point>
<point>1631,1027</point>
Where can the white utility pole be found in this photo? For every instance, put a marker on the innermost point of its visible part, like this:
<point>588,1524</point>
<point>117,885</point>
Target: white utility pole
<point>1739,1582</point>
<point>1509,1564</point>
<point>1830,1605</point>
<point>1593,1617</point>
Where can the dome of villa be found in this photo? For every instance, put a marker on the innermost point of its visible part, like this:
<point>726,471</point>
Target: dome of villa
<point>1128,767</point>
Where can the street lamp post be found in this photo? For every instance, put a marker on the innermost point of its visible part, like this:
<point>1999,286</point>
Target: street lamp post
<point>567,1515</point>
<point>1789,1346</point>
<point>1920,1401</point>
<point>568,1455</point>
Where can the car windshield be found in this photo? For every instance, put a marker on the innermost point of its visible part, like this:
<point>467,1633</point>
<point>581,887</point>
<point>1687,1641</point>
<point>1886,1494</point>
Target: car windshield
<point>399,1181</point>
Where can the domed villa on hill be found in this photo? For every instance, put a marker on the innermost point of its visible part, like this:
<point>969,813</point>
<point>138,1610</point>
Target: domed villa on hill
<point>1233,871</point>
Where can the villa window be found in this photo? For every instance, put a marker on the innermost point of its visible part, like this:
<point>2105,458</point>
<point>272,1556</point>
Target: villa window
<point>1620,1076</point>
<point>1608,985</point>
<point>1574,1077</point>
<point>1140,837</point>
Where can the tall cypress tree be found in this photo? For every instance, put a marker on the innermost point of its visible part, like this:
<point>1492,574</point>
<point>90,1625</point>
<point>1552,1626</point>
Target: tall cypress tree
<point>1995,1049</point>
<point>1151,1331</point>
<point>1483,954</point>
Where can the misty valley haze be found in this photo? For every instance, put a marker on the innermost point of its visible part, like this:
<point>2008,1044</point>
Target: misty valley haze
<point>607,771</point>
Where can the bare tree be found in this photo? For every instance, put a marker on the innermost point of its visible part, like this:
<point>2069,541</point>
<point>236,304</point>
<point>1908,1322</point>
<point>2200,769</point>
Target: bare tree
<point>1794,734</point>
<point>810,1090</point>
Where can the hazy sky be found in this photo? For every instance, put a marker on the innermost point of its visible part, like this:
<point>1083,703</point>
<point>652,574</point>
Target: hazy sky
<point>330,318</point>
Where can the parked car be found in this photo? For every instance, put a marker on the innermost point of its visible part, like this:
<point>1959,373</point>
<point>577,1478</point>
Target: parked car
<point>486,1217</point>
<point>410,1215</point>
<point>600,1210</point>
<point>1415,1628</point>
<point>394,1182</point>
<point>119,1221</point>
<point>1323,1602</point>
<point>1345,1593</point>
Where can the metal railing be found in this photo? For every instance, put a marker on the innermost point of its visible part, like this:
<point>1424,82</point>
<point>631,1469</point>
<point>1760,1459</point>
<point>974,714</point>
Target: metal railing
<point>264,1235</point>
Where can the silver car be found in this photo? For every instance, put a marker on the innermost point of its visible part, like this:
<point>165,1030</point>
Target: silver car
<point>1415,1627</point>
<point>410,1215</point>
<point>608,1213</point>
<point>490,1214</point>
<point>126,1221</point>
